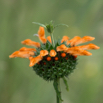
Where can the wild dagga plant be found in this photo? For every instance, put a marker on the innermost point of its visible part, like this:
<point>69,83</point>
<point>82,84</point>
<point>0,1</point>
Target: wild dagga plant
<point>54,59</point>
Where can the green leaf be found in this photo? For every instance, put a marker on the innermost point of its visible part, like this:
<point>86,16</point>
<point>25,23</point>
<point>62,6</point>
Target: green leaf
<point>51,47</point>
<point>61,25</point>
<point>43,46</point>
<point>66,84</point>
<point>47,44</point>
<point>39,24</point>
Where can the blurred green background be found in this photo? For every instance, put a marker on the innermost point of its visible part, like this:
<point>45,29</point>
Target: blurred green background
<point>18,82</point>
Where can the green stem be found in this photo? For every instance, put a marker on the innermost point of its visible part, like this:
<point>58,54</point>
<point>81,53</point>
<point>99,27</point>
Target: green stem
<point>58,90</point>
<point>52,39</point>
<point>58,99</point>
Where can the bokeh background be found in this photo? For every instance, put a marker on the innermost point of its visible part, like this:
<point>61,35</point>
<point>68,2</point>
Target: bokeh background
<point>18,82</point>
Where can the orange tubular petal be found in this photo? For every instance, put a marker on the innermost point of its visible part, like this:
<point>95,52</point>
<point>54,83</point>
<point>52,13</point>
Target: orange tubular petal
<point>35,60</point>
<point>89,46</point>
<point>30,43</point>
<point>49,39</point>
<point>78,51</point>
<point>52,53</point>
<point>21,54</point>
<point>61,48</point>
<point>41,35</point>
<point>86,53</point>
<point>65,38</point>
<point>76,38</point>
<point>27,49</point>
<point>41,32</point>
<point>42,39</point>
<point>84,39</point>
<point>43,52</point>
<point>13,55</point>
<point>72,41</point>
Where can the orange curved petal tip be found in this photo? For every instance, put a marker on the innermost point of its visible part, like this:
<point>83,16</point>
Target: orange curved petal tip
<point>13,55</point>
<point>89,47</point>
<point>43,52</point>
<point>34,60</point>
<point>49,39</point>
<point>21,54</point>
<point>30,57</point>
<point>27,49</point>
<point>42,39</point>
<point>30,43</point>
<point>52,53</point>
<point>84,39</point>
<point>65,38</point>
<point>41,32</point>
<point>61,48</point>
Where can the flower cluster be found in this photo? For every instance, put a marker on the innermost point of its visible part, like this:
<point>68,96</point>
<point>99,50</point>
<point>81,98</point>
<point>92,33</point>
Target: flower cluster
<point>56,60</point>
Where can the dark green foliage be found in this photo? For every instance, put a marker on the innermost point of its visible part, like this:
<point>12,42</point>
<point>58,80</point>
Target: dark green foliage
<point>49,70</point>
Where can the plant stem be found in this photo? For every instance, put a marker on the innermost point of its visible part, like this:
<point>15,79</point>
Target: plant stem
<point>52,39</point>
<point>58,86</point>
<point>58,90</point>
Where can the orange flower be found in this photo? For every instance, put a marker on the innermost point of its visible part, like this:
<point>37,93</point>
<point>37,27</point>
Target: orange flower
<point>31,43</point>
<point>63,54</point>
<point>65,38</point>
<point>21,54</point>
<point>49,39</point>
<point>34,60</point>
<point>43,52</point>
<point>61,48</point>
<point>41,35</point>
<point>89,47</point>
<point>41,32</point>
<point>72,41</point>
<point>52,53</point>
<point>48,58</point>
<point>27,49</point>
<point>56,58</point>
<point>78,51</point>
<point>84,39</point>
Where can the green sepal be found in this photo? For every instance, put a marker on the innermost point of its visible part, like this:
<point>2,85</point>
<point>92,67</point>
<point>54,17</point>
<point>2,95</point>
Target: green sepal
<point>50,28</point>
<point>55,84</point>
<point>66,84</point>
<point>39,24</point>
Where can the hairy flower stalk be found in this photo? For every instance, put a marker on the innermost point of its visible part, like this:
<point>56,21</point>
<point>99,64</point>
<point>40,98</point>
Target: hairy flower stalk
<point>54,60</point>
<point>52,39</point>
<point>58,90</point>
